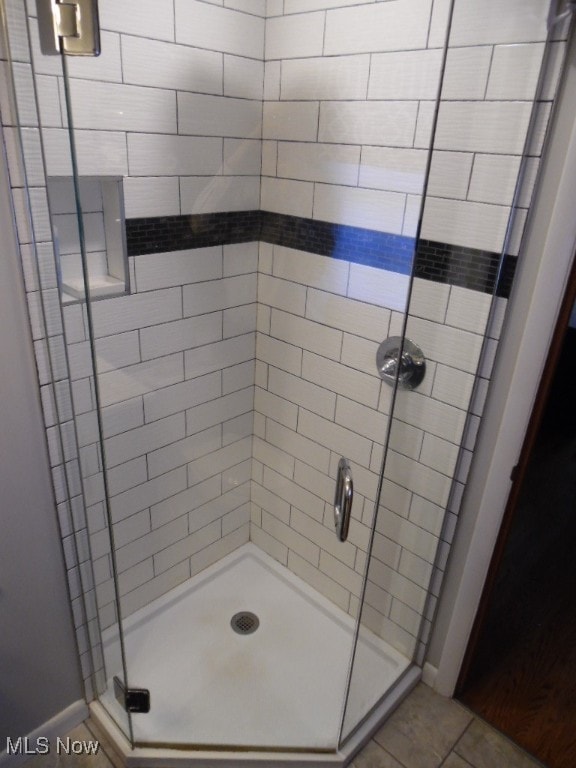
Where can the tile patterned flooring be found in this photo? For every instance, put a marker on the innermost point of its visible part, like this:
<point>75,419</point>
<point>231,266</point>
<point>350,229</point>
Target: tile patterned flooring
<point>426,731</point>
<point>430,731</point>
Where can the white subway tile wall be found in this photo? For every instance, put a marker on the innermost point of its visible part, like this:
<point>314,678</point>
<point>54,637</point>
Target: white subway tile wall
<point>175,103</point>
<point>178,369</point>
<point>349,105</point>
<point>232,378</point>
<point>319,396</point>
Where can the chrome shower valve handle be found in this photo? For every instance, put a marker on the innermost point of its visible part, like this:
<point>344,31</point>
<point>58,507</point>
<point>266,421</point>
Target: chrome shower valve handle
<point>410,370</point>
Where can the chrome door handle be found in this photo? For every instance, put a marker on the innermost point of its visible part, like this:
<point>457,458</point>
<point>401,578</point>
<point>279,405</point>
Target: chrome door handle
<point>343,499</point>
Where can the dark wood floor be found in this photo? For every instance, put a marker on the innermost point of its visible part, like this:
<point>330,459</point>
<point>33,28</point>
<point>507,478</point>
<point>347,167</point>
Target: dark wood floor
<point>523,677</point>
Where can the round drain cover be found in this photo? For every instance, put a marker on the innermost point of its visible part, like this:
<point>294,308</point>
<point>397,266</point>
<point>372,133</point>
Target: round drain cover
<point>244,622</point>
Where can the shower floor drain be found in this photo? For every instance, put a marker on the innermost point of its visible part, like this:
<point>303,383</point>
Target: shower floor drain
<point>244,623</point>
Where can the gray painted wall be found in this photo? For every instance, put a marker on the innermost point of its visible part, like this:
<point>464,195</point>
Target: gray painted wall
<point>39,671</point>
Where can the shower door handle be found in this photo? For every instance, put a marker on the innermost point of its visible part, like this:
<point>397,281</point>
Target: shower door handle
<point>343,499</point>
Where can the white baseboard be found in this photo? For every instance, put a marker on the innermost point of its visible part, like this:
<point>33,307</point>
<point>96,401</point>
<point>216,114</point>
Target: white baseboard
<point>429,674</point>
<point>59,725</point>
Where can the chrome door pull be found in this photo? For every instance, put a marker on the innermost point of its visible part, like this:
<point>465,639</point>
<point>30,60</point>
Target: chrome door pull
<point>343,499</point>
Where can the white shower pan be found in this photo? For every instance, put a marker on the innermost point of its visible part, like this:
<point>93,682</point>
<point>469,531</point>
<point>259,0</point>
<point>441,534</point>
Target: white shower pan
<point>279,689</point>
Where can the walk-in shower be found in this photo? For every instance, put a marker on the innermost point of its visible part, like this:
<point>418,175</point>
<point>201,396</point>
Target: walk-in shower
<point>221,218</point>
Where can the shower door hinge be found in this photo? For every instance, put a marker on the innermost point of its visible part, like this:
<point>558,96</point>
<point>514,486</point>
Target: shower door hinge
<point>70,27</point>
<point>132,699</point>
<point>560,10</point>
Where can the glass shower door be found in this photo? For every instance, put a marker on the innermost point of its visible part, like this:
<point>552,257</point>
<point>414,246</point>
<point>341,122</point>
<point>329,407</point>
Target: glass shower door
<point>487,137</point>
<point>239,283</point>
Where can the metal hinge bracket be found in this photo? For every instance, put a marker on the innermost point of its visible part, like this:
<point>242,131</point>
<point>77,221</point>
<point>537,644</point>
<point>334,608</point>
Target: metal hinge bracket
<point>70,27</point>
<point>132,699</point>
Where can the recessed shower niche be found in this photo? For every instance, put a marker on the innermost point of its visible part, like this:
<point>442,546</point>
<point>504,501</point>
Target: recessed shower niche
<point>103,220</point>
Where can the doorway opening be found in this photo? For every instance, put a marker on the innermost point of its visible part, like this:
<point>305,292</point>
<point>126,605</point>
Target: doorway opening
<point>520,665</point>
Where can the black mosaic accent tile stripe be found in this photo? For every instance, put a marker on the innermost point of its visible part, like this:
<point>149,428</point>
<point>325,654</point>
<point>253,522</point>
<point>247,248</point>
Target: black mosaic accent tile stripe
<point>158,234</point>
<point>439,262</point>
<point>506,277</point>
<point>464,267</point>
<point>361,246</point>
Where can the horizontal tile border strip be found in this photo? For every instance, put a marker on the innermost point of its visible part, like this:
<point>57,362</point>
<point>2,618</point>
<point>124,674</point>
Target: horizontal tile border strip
<point>465,267</point>
<point>440,262</point>
<point>159,234</point>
